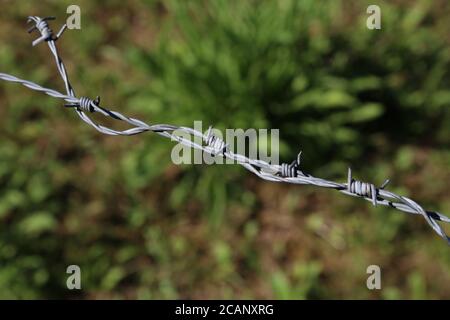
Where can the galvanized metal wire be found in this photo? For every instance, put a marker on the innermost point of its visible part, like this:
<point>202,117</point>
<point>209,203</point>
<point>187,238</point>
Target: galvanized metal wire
<point>213,145</point>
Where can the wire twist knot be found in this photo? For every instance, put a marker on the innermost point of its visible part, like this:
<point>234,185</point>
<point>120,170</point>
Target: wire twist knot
<point>290,170</point>
<point>42,26</point>
<point>364,189</point>
<point>216,144</point>
<point>85,104</point>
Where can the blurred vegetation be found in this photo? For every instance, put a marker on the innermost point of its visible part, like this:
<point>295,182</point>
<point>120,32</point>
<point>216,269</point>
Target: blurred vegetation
<point>141,227</point>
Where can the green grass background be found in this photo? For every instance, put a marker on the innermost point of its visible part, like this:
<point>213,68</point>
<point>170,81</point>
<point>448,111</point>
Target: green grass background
<point>142,227</point>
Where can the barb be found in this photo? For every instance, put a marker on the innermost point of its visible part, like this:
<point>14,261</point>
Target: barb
<point>285,173</point>
<point>42,26</point>
<point>215,144</point>
<point>291,170</point>
<point>364,189</point>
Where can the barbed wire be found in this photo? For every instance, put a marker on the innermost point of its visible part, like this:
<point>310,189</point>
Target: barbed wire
<point>213,145</point>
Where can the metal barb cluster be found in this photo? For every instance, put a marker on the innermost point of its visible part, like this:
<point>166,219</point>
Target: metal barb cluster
<point>216,144</point>
<point>285,173</point>
<point>85,104</point>
<point>291,170</point>
<point>364,189</point>
<point>42,26</point>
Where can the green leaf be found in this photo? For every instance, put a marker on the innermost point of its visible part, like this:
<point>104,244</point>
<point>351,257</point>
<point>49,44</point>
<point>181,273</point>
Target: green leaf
<point>37,223</point>
<point>366,112</point>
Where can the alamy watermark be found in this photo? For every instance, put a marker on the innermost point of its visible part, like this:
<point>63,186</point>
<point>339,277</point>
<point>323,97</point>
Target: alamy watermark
<point>374,280</point>
<point>74,20</point>
<point>374,20</point>
<point>262,144</point>
<point>74,280</point>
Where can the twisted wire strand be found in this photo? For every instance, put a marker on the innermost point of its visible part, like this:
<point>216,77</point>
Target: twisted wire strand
<point>284,173</point>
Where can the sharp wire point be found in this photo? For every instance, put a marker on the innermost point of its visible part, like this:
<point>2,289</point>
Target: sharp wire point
<point>299,157</point>
<point>385,183</point>
<point>349,178</point>
<point>61,31</point>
